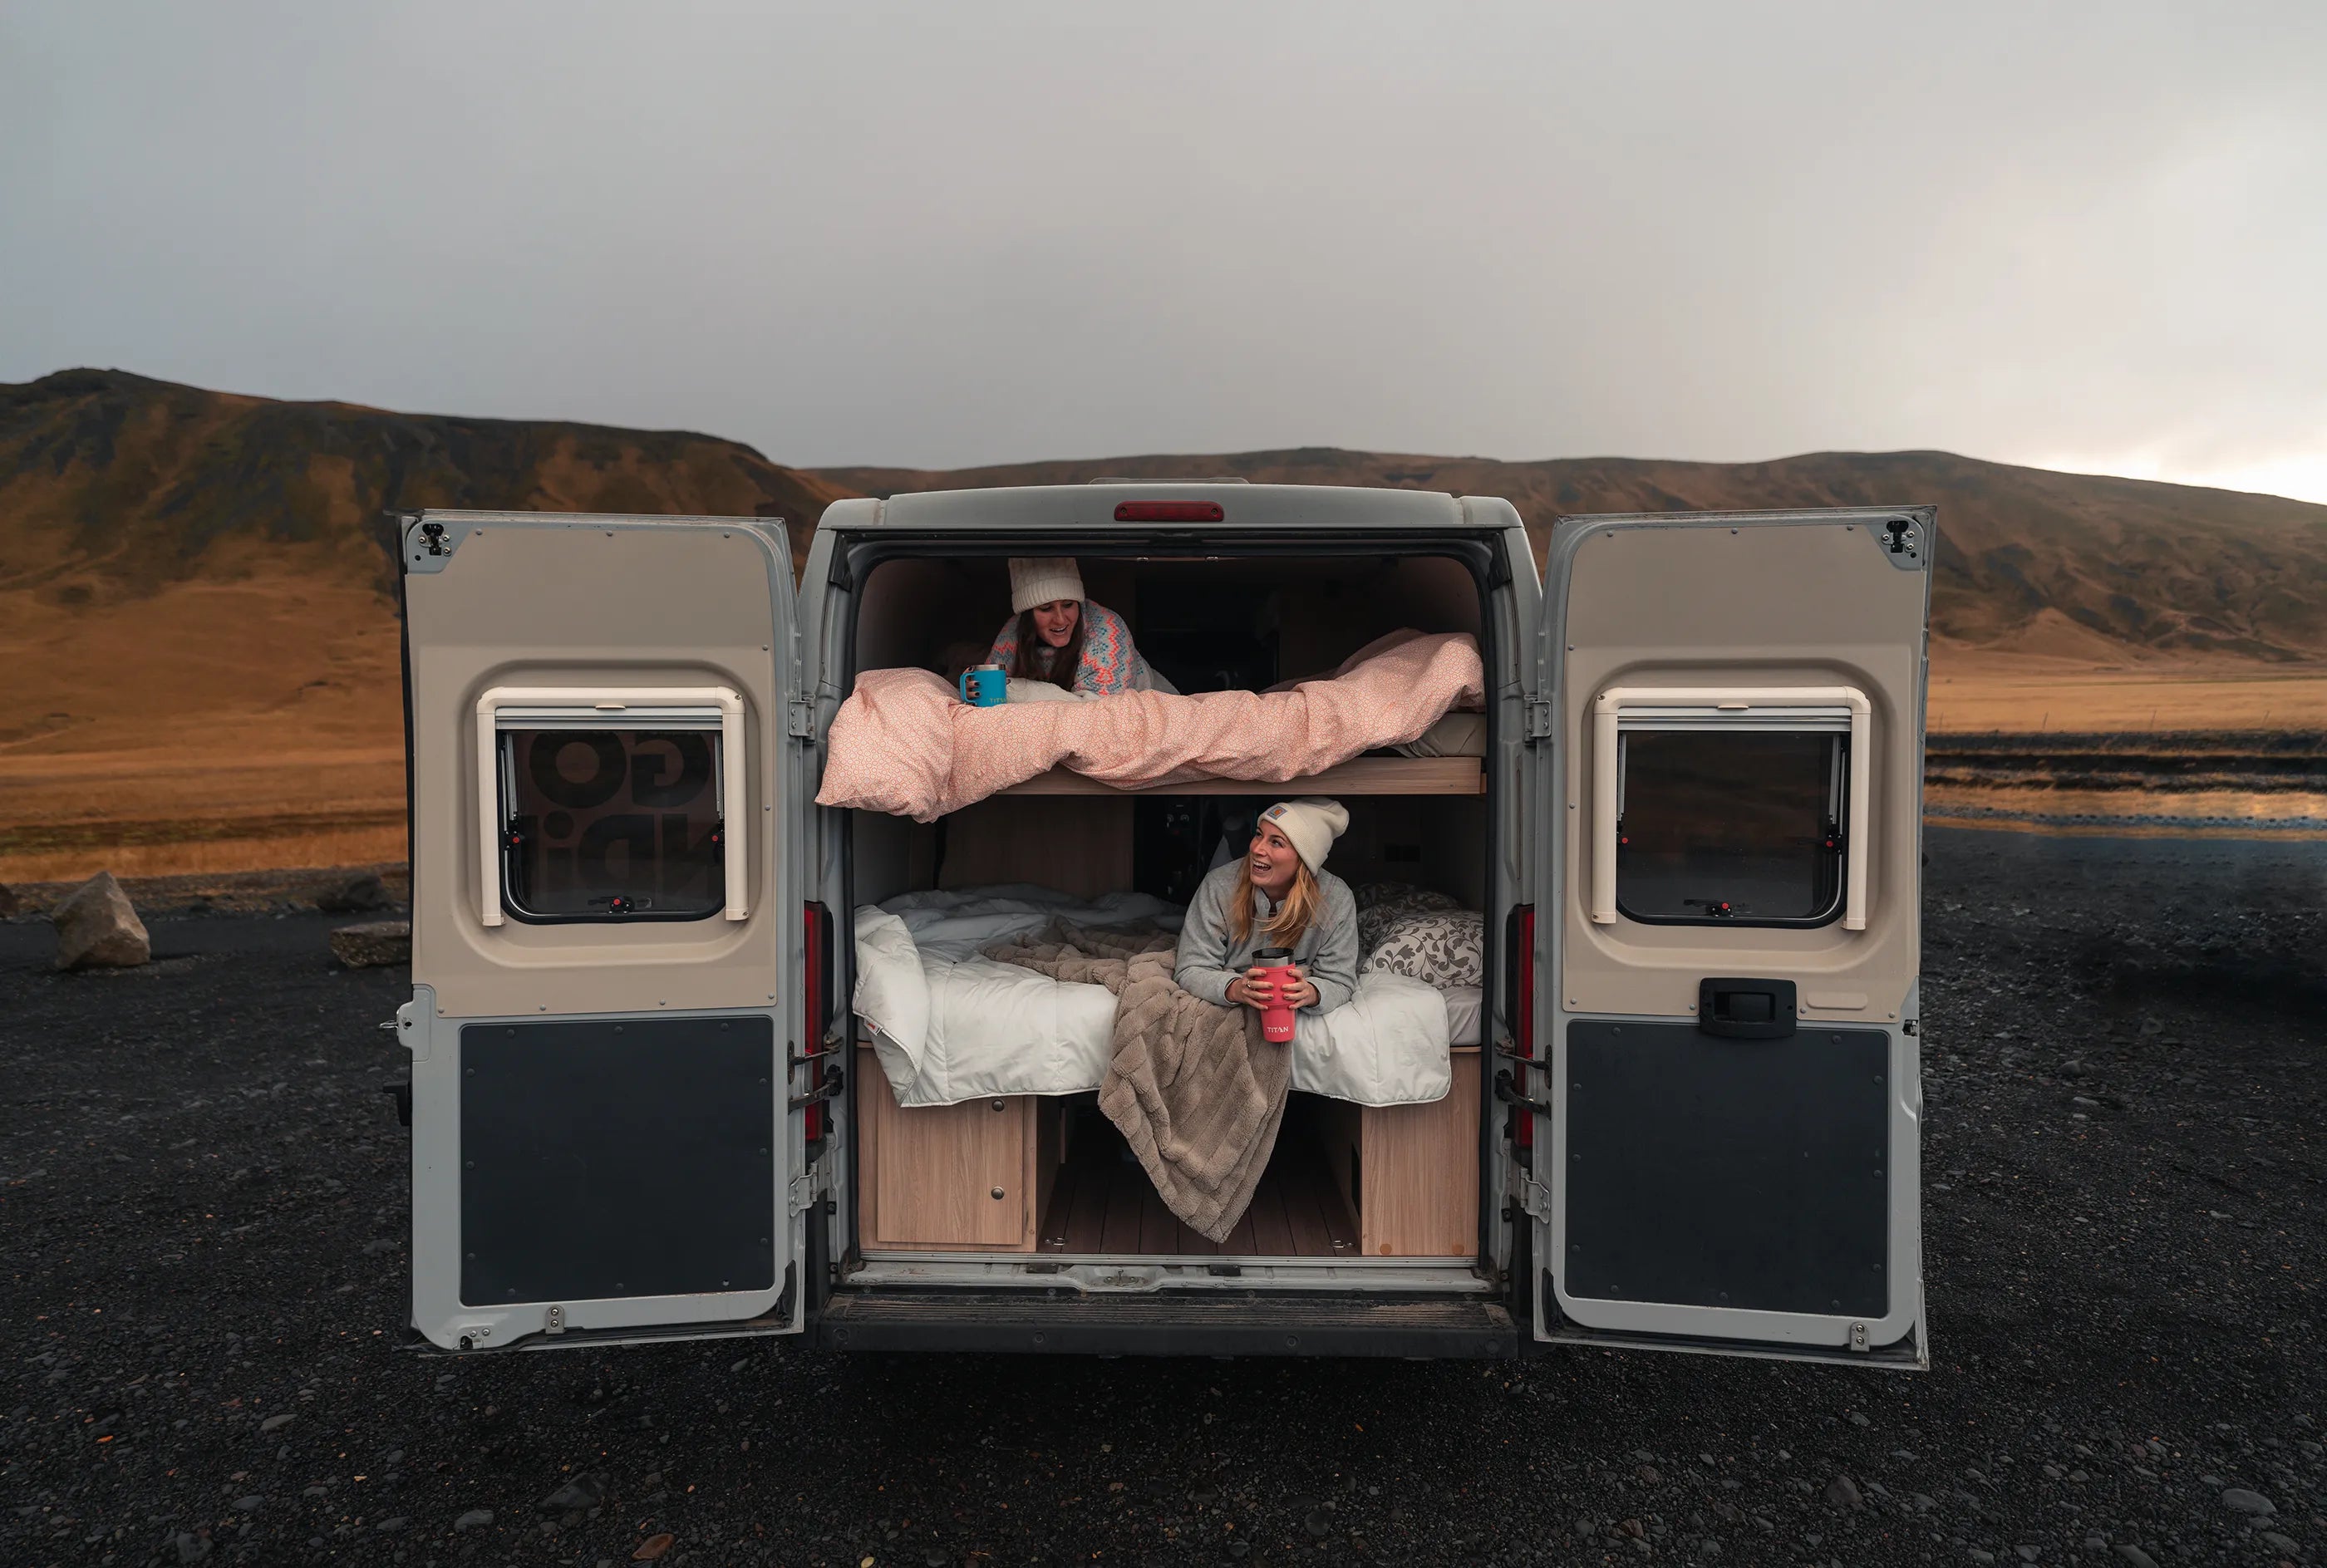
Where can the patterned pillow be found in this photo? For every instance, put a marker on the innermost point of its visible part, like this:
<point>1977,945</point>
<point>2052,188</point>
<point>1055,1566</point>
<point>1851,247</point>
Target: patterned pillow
<point>1380,905</point>
<point>1441,949</point>
<point>1368,894</point>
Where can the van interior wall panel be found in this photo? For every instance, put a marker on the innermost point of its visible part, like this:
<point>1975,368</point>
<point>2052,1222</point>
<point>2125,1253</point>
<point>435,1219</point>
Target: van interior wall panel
<point>1078,845</point>
<point>928,611</point>
<point>892,855</point>
<point>910,610</point>
<point>604,1160</point>
<point>1708,1172</point>
<point>1341,605</point>
<point>1434,842</point>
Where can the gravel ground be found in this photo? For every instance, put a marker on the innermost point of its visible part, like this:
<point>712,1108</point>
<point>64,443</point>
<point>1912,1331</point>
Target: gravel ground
<point>205,1213</point>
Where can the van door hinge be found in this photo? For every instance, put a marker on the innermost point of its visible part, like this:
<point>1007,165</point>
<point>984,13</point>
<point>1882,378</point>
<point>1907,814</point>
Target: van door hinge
<point>1534,1198</point>
<point>801,721</point>
<point>804,1191</point>
<point>1538,718</point>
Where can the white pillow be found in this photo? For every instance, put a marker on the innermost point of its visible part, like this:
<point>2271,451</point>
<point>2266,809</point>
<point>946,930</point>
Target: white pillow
<point>1457,734</point>
<point>1022,690</point>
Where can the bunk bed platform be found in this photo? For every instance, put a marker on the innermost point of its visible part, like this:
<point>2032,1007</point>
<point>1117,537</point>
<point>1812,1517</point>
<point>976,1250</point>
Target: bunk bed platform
<point>1360,775</point>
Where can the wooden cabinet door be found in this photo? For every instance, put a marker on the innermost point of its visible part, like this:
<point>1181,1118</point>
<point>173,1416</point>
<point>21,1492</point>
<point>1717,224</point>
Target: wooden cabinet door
<point>935,1172</point>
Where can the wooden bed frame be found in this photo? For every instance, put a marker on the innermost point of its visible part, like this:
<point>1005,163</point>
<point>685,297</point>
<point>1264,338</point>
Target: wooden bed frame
<point>980,1176</point>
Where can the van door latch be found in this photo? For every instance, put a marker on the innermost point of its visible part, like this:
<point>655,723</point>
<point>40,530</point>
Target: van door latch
<point>1538,718</point>
<point>804,1190</point>
<point>800,720</point>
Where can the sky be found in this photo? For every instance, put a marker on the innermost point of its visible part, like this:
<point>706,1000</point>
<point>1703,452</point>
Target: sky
<point>2084,236</point>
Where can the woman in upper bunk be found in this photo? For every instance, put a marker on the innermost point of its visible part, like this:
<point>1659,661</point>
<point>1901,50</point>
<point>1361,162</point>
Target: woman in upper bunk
<point>1278,894</point>
<point>1061,639</point>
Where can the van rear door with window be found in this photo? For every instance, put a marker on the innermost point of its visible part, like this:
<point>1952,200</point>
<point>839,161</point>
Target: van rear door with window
<point>1728,1100</point>
<point>607,931</point>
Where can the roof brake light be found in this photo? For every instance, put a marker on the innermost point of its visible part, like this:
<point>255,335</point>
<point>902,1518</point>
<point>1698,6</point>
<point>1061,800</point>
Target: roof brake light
<point>1168,512</point>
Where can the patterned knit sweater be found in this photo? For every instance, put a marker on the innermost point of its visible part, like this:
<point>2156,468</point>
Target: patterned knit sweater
<point>1111,663</point>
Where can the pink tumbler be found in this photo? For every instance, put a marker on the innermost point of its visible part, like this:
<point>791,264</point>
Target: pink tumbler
<point>1276,1021</point>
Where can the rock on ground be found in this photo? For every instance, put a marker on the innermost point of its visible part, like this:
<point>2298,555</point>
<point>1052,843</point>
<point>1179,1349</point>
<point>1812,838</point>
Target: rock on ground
<point>356,895</point>
<point>11,901</point>
<point>98,929</point>
<point>373,945</point>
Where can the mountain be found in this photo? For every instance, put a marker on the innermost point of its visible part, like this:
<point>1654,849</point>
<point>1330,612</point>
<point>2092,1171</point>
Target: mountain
<point>113,485</point>
<point>198,625</point>
<point>2031,562</point>
<point>198,612</point>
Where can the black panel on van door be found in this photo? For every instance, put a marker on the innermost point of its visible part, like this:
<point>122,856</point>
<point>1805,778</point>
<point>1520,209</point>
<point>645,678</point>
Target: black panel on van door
<point>1710,1172</point>
<point>604,1158</point>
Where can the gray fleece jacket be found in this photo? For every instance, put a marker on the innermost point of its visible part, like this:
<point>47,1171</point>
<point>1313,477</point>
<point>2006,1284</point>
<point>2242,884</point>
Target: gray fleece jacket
<point>1210,957</point>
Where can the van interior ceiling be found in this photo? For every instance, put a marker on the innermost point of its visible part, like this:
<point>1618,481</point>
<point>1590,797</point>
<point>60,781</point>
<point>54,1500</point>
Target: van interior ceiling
<point>1346,1179</point>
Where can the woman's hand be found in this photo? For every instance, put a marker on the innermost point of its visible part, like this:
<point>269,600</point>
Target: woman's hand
<point>1254,988</point>
<point>1298,992</point>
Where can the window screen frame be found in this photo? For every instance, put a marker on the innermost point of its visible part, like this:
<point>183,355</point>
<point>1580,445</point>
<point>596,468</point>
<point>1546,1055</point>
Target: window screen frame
<point>609,708</point>
<point>1832,710</point>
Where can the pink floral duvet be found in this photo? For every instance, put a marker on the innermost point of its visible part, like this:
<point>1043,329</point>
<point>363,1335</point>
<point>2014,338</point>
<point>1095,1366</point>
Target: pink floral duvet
<point>903,744</point>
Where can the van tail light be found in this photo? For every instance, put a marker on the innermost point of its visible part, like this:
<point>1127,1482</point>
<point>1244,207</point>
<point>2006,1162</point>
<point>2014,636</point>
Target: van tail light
<point>816,1008</point>
<point>1169,512</point>
<point>1521,1011</point>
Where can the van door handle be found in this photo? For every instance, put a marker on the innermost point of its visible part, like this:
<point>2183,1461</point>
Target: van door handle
<point>834,1079</point>
<point>1507,1091</point>
<point>1736,1009</point>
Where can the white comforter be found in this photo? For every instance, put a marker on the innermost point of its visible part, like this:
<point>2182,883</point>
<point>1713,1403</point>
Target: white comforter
<point>949,1025</point>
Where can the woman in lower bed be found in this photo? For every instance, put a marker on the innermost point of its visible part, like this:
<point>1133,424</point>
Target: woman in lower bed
<point>1278,894</point>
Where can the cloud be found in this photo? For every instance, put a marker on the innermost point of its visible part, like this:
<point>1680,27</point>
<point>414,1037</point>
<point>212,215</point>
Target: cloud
<point>950,235</point>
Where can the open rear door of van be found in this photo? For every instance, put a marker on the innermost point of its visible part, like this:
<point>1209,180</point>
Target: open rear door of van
<point>1726,1137</point>
<point>607,934</point>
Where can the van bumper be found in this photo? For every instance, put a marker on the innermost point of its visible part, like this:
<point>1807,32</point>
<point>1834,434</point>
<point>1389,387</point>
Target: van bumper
<point>1163,1325</point>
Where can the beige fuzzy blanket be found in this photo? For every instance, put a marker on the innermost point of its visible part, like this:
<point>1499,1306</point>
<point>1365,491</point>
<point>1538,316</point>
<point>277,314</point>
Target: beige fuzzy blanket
<point>1194,1085</point>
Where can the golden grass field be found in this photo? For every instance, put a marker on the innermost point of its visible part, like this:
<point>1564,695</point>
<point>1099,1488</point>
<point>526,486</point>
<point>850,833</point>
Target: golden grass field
<point>1973,692</point>
<point>214,726</point>
<point>258,725</point>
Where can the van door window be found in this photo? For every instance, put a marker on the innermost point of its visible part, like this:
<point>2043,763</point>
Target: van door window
<point>1726,825</point>
<point>612,824</point>
<point>610,803</point>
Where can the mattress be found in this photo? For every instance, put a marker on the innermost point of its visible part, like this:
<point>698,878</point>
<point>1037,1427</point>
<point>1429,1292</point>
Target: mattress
<point>1463,1005</point>
<point>948,1025</point>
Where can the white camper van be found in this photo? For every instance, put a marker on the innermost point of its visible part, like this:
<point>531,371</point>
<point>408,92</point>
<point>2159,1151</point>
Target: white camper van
<point>1679,1110</point>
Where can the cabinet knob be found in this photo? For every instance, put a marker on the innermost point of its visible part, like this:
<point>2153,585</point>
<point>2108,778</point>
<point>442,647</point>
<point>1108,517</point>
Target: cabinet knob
<point>998,1105</point>
<point>997,1193</point>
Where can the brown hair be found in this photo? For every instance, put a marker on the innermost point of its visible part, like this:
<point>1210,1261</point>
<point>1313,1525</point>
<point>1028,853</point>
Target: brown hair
<point>1294,916</point>
<point>1065,662</point>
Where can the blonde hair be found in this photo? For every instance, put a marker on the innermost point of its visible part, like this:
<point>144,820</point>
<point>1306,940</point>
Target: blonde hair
<point>1303,901</point>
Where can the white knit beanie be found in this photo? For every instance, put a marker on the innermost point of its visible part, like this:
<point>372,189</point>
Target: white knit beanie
<point>1311,823</point>
<point>1038,579</point>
